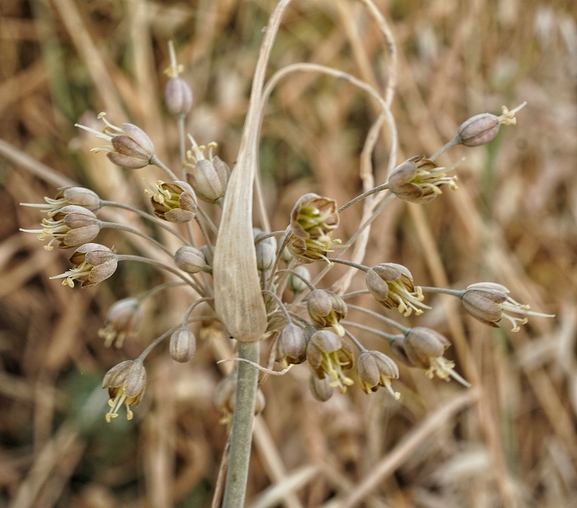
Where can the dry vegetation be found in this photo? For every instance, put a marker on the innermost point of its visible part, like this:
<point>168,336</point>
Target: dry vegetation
<point>509,441</point>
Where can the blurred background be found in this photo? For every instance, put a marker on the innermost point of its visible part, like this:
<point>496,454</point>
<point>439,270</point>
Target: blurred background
<point>508,441</point>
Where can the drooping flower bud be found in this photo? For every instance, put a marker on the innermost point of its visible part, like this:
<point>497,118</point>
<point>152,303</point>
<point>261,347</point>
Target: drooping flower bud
<point>423,348</point>
<point>419,180</point>
<point>92,263</point>
<point>71,226</point>
<point>291,345</point>
<point>327,309</point>
<point>328,355</point>
<point>321,389</point>
<point>481,129</point>
<point>182,345</point>
<point>173,202</point>
<point>392,286</point>
<point>131,147</point>
<point>126,383</point>
<point>190,259</point>
<point>489,303</point>
<point>377,369</point>
<point>208,176</point>
<point>178,97</point>
<point>122,319</point>
<point>295,282</point>
<point>265,250</point>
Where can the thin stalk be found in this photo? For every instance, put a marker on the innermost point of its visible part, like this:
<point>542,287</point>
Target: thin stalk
<point>128,229</point>
<point>242,424</point>
<point>158,264</point>
<point>147,216</point>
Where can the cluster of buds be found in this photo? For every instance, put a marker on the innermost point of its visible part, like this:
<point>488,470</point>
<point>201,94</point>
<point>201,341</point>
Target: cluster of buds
<point>311,328</point>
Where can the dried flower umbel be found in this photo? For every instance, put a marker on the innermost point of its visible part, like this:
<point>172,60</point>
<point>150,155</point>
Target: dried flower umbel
<point>239,274</point>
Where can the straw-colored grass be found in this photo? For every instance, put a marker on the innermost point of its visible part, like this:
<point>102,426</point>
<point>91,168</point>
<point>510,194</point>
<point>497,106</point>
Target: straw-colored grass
<point>509,441</point>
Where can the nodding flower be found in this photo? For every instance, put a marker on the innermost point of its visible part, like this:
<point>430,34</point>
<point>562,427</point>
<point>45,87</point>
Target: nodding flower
<point>126,383</point>
<point>130,146</point>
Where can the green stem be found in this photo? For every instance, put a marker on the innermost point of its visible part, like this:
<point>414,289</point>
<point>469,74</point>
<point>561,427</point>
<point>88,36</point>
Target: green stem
<point>241,432</point>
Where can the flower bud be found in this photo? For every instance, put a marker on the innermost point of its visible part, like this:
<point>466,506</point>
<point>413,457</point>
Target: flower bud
<point>265,250</point>
<point>291,345</point>
<point>321,389</point>
<point>126,383</point>
<point>91,264</point>
<point>327,309</point>
<point>173,202</point>
<point>419,180</point>
<point>377,369</point>
<point>208,176</point>
<point>182,345</point>
<point>190,259</point>
<point>481,129</point>
<point>178,97</point>
<point>392,286</point>
<point>295,283</point>
<point>122,319</point>
<point>328,355</point>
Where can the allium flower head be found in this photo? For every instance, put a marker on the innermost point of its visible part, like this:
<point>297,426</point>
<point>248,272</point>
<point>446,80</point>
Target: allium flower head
<point>130,146</point>
<point>92,263</point>
<point>419,180</point>
<point>122,319</point>
<point>328,356</point>
<point>173,202</point>
<point>489,303</point>
<point>392,286</point>
<point>126,383</point>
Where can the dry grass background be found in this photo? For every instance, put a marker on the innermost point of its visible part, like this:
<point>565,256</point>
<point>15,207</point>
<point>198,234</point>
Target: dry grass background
<point>509,441</point>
